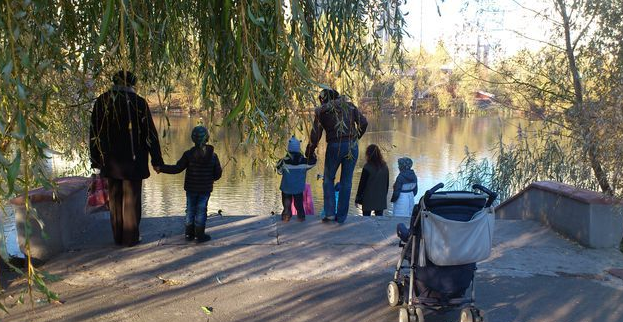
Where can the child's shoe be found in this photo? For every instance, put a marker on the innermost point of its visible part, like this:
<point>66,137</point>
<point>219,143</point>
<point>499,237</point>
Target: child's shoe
<point>189,235</point>
<point>285,217</point>
<point>201,235</point>
<point>300,217</point>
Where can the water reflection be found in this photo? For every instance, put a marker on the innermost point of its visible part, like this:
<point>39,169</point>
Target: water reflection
<point>436,145</point>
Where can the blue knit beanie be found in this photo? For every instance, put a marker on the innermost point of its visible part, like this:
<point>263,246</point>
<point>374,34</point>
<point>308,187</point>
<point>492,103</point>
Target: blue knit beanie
<point>294,145</point>
<point>199,135</point>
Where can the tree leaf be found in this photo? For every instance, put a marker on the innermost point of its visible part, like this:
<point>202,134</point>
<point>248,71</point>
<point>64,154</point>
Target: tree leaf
<point>106,19</point>
<point>299,16</point>
<point>6,71</point>
<point>300,66</point>
<point>258,21</point>
<point>50,277</point>
<point>3,160</point>
<point>21,92</point>
<point>258,75</point>
<point>21,127</point>
<point>13,172</point>
<point>241,103</point>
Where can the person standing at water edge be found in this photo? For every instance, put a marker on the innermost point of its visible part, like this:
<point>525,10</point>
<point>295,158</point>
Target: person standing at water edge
<point>122,134</point>
<point>344,125</point>
<point>293,168</point>
<point>405,188</point>
<point>374,183</point>
<point>202,169</point>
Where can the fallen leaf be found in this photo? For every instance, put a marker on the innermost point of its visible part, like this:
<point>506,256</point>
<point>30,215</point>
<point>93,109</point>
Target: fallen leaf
<point>169,281</point>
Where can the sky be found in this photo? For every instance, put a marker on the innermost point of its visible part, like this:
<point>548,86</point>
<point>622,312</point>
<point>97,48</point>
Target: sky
<point>516,16</point>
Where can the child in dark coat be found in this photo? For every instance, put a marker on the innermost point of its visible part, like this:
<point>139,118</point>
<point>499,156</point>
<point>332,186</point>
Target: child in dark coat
<point>293,168</point>
<point>202,169</point>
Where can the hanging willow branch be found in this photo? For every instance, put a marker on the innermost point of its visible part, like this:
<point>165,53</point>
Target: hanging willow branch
<point>258,62</point>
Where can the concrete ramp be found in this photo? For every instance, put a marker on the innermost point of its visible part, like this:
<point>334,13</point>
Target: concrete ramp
<point>590,218</point>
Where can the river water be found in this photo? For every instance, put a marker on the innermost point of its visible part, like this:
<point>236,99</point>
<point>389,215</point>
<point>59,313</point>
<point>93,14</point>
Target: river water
<point>250,185</point>
<point>436,145</point>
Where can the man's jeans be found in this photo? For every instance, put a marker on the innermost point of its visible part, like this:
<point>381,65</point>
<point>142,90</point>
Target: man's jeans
<point>344,154</point>
<point>196,208</point>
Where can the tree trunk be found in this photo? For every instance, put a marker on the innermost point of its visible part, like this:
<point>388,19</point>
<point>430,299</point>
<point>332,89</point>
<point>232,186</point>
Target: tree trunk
<point>587,138</point>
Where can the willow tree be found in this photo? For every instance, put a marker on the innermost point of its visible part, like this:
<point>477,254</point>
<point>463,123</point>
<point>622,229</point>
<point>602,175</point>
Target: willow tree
<point>256,59</point>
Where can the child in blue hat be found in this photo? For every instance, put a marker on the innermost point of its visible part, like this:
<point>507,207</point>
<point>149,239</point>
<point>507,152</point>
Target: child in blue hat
<point>293,168</point>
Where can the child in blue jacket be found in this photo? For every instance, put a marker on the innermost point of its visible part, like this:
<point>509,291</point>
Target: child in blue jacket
<point>293,168</point>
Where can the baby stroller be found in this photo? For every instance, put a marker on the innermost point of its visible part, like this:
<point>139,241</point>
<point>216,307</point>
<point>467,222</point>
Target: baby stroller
<point>449,232</point>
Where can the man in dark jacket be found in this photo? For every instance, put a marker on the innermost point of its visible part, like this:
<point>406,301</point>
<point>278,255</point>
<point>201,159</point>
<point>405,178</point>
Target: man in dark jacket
<point>344,125</point>
<point>122,134</point>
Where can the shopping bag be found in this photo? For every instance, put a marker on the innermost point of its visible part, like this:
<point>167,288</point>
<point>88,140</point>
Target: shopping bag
<point>98,193</point>
<point>308,201</point>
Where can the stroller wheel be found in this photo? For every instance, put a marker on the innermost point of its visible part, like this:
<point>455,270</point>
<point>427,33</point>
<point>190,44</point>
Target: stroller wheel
<point>403,315</point>
<point>394,295</point>
<point>470,315</point>
<point>419,314</point>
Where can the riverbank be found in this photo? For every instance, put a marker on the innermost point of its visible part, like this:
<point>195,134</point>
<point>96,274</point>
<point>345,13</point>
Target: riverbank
<point>259,269</point>
<point>368,107</point>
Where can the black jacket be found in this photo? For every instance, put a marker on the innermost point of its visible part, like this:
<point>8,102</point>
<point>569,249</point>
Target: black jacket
<point>202,169</point>
<point>373,187</point>
<point>122,134</point>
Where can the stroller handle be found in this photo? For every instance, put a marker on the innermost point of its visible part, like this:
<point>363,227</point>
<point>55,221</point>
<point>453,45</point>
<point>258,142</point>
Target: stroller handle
<point>432,190</point>
<point>492,195</point>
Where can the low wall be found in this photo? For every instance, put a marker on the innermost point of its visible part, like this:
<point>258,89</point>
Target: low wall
<point>62,213</point>
<point>591,218</point>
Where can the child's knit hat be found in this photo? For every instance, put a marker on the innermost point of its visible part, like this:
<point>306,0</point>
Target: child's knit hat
<point>199,135</point>
<point>404,164</point>
<point>294,145</point>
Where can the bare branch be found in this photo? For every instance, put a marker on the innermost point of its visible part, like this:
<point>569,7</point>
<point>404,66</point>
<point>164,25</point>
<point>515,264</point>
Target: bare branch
<point>537,40</point>
<point>538,13</point>
<point>583,32</point>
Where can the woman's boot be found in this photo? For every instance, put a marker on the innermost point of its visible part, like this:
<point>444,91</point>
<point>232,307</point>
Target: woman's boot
<point>201,235</point>
<point>190,232</point>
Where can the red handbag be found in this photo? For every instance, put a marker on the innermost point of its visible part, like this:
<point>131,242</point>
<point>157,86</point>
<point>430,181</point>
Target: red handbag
<point>98,193</point>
